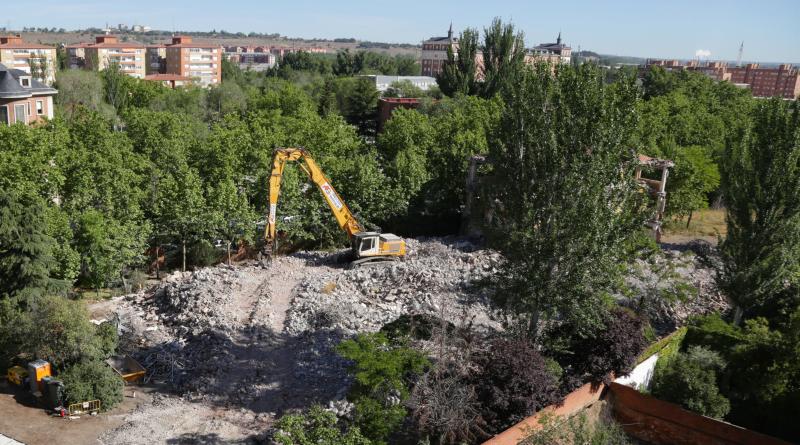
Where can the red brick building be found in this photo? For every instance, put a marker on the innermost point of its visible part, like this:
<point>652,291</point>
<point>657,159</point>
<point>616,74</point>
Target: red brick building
<point>783,81</point>
<point>201,61</point>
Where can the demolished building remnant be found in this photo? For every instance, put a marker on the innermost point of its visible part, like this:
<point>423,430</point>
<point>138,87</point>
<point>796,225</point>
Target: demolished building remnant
<point>656,188</point>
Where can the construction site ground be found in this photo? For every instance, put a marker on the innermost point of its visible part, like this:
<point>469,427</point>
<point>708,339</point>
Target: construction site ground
<point>229,349</point>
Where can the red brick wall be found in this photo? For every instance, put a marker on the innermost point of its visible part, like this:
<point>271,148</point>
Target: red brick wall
<point>32,117</point>
<point>658,422</point>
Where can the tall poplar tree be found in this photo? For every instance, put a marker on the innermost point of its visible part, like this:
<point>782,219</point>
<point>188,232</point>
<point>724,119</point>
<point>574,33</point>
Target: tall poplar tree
<point>564,196</point>
<point>761,187</point>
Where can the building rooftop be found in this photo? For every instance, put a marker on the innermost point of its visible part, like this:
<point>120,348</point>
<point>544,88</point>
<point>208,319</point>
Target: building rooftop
<point>11,88</point>
<point>107,41</point>
<point>17,42</point>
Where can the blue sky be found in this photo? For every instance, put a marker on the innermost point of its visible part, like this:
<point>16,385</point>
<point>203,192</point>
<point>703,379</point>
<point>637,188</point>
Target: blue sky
<point>770,29</point>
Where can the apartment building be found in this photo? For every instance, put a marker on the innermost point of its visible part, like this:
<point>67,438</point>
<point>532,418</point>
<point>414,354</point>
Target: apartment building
<point>782,81</point>
<point>170,80</point>
<point>23,99</point>
<point>254,57</point>
<point>202,62</point>
<point>108,50</point>
<point>156,56</point>
<point>20,55</point>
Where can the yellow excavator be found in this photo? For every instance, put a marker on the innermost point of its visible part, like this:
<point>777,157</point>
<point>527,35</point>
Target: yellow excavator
<point>366,247</point>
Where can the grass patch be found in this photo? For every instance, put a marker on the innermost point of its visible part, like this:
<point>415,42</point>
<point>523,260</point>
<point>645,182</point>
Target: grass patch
<point>667,347</point>
<point>708,222</point>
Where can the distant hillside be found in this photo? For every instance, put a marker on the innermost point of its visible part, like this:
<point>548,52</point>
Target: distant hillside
<point>55,37</point>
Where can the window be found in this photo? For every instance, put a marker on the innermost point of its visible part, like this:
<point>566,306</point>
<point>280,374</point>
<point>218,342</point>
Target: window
<point>25,81</point>
<point>367,244</point>
<point>40,107</point>
<point>19,114</point>
<point>4,115</point>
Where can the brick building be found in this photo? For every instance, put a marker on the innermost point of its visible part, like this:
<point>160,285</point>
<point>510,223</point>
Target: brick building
<point>554,53</point>
<point>23,99</point>
<point>108,50</point>
<point>782,81</point>
<point>156,56</point>
<point>434,53</point>
<point>199,61</point>
<point>20,55</point>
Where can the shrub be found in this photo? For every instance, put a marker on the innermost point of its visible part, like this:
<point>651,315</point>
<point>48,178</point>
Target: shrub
<point>613,348</point>
<point>690,380</point>
<point>713,332</point>
<point>92,380</point>
<point>315,427</point>
<point>107,338</point>
<point>383,374</point>
<point>512,381</point>
<point>577,431</point>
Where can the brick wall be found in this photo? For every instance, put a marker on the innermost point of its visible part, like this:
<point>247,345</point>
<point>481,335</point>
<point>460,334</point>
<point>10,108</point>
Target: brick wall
<point>658,422</point>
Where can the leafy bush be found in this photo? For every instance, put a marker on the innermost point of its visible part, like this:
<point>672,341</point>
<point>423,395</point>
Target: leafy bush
<point>513,381</point>
<point>382,378</point>
<point>691,381</point>
<point>613,348</point>
<point>713,332</point>
<point>202,254</point>
<point>92,380</point>
<point>315,427</point>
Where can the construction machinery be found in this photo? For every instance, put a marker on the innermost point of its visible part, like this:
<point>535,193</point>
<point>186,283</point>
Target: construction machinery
<point>366,247</point>
<point>17,375</point>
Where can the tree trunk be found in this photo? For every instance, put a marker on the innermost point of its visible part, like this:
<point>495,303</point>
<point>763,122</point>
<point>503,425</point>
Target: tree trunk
<point>229,253</point>
<point>689,219</point>
<point>533,325</point>
<point>183,268</point>
<point>158,269</point>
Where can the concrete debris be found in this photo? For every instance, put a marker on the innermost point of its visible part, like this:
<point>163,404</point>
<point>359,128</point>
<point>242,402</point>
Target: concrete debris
<point>438,277</point>
<point>674,285</point>
<point>238,346</point>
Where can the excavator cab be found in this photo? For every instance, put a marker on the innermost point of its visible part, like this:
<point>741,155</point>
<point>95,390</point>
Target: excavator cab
<point>366,244</point>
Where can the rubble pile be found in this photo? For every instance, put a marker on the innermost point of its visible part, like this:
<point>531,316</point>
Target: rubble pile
<point>438,276</point>
<point>678,285</point>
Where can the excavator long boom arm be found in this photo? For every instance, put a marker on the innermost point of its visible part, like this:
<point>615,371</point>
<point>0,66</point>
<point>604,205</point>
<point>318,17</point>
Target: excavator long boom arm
<point>343,216</point>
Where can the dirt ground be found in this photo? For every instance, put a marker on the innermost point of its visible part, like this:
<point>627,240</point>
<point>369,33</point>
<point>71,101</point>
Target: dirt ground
<point>23,419</point>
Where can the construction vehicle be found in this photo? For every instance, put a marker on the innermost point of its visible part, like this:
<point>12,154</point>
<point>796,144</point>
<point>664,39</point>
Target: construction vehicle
<point>17,375</point>
<point>366,247</point>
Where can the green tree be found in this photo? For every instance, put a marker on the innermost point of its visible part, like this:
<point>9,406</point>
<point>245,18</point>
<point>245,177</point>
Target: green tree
<point>761,187</point>
<point>92,380</point>
<point>80,88</point>
<point>26,250</point>
<point>236,218</point>
<point>693,178</point>
<point>565,199</point>
<point>459,71</point>
<point>225,99</point>
<point>315,427</point>
<point>503,57</point>
<point>403,88</point>
<point>690,380</point>
<point>382,374</point>
<point>181,213</point>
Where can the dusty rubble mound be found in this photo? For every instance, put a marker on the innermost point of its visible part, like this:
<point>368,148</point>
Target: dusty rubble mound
<point>438,277</point>
<point>679,283</point>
